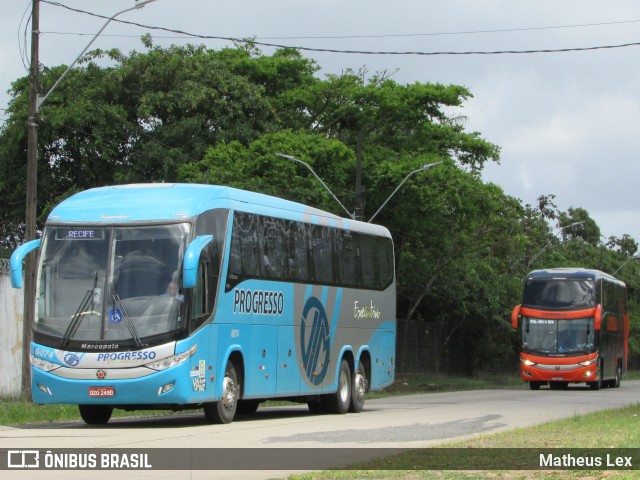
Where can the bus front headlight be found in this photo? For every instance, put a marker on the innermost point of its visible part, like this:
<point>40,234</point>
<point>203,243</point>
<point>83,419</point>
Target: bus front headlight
<point>43,364</point>
<point>586,363</point>
<point>527,362</point>
<point>173,361</point>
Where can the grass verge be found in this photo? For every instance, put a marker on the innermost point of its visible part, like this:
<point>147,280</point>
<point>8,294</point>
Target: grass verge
<point>610,429</point>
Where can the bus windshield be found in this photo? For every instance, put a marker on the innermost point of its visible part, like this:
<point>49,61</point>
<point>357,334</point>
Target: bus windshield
<point>110,283</point>
<point>559,294</point>
<point>558,336</point>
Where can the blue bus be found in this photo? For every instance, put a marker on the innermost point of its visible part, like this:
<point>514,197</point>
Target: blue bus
<point>177,296</point>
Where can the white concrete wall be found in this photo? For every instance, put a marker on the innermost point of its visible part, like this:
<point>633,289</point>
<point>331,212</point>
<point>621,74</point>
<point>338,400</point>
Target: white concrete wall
<point>11,310</point>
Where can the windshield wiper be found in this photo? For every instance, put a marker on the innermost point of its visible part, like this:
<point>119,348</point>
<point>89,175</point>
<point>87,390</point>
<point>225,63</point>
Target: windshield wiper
<point>83,309</point>
<point>77,318</point>
<point>117,301</point>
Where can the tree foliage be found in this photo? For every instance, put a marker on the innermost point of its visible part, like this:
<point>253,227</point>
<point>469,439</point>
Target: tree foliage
<point>191,114</point>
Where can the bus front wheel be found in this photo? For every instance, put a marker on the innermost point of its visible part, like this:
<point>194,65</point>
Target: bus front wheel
<point>597,385</point>
<point>224,410</point>
<point>95,414</point>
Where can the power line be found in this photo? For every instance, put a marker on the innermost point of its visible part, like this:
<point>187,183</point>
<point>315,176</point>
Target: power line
<point>22,43</point>
<point>394,35</point>
<point>356,52</point>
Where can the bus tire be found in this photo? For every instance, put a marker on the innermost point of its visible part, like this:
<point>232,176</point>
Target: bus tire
<point>224,410</point>
<point>618,379</point>
<point>339,401</point>
<point>534,385</point>
<point>359,387</point>
<point>95,414</point>
<point>597,385</point>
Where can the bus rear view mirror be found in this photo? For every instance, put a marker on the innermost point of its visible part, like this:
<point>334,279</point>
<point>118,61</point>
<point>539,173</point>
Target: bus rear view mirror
<point>515,316</point>
<point>191,259</point>
<point>597,321</point>
<point>16,261</point>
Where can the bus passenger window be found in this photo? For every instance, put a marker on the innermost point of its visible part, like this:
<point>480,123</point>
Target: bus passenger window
<point>322,250</point>
<point>298,259</point>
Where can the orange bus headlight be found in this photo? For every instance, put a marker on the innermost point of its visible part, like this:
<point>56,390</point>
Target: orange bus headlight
<point>528,362</point>
<point>586,363</point>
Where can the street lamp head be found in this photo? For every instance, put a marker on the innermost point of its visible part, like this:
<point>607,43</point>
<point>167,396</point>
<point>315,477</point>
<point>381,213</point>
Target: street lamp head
<point>142,3</point>
<point>424,167</point>
<point>429,165</point>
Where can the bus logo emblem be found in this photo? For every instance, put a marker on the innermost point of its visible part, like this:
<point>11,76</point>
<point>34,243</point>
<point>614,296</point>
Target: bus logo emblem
<point>315,341</point>
<point>71,359</point>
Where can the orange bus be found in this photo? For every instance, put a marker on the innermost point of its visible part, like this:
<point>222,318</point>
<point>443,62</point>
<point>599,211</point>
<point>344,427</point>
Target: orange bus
<point>575,328</point>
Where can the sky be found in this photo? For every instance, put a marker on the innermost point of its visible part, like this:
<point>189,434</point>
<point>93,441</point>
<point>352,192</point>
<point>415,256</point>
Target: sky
<point>568,123</point>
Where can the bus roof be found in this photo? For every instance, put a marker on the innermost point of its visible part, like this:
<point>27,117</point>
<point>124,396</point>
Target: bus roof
<point>579,273</point>
<point>155,202</point>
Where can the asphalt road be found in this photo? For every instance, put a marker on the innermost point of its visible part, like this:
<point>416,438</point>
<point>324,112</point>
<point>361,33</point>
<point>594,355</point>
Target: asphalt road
<point>392,423</point>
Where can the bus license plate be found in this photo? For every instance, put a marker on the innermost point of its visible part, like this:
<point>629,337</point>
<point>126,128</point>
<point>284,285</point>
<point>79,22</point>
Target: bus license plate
<point>557,379</point>
<point>102,391</point>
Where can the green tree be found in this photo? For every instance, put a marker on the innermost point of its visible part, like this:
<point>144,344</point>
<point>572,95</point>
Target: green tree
<point>257,167</point>
<point>142,117</point>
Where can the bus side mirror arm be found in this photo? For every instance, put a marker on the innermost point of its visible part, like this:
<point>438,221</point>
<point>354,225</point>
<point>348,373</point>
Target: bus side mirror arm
<point>17,257</point>
<point>191,259</point>
<point>515,316</point>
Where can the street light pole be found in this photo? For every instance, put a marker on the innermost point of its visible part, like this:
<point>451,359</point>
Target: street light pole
<point>549,243</point>
<point>424,168</point>
<point>634,257</point>
<point>139,4</point>
<point>35,101</point>
<point>297,160</point>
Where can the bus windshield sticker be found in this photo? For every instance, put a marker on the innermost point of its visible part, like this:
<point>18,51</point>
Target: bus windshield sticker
<point>79,234</point>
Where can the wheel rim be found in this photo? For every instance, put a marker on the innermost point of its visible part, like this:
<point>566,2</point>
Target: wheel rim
<point>360,389</point>
<point>344,388</point>
<point>228,393</point>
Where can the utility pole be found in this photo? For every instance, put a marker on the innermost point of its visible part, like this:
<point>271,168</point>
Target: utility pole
<point>359,203</point>
<point>35,101</point>
<point>31,200</point>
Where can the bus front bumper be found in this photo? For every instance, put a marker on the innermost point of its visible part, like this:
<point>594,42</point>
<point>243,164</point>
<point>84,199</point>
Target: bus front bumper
<point>175,386</point>
<point>549,372</point>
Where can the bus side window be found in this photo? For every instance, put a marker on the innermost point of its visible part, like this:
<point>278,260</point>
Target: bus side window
<point>204,293</point>
<point>347,249</point>
<point>385,261</point>
<point>368,258</point>
<point>273,249</point>
<point>298,253</point>
<point>322,249</point>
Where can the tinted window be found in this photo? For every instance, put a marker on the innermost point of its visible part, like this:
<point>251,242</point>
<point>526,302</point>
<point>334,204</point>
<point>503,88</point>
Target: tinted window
<point>277,249</point>
<point>559,293</point>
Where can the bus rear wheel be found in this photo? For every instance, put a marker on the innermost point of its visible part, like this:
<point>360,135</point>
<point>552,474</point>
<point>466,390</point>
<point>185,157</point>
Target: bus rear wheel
<point>339,402</point>
<point>359,387</point>
<point>95,414</point>
<point>615,383</point>
<point>224,410</point>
